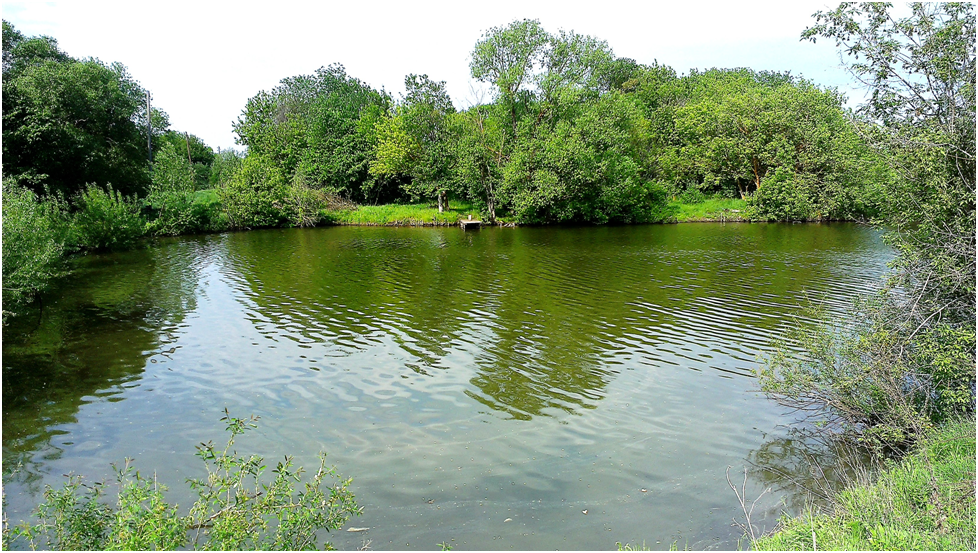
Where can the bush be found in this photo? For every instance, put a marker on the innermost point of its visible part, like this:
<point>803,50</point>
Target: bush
<point>105,220</point>
<point>691,196</point>
<point>876,374</point>
<point>34,233</point>
<point>210,202</point>
<point>235,509</point>
<point>304,206</point>
<point>255,196</point>
<point>784,196</point>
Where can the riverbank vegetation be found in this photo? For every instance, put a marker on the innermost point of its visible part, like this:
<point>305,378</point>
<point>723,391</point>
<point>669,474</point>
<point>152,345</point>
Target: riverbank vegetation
<point>404,214</point>
<point>903,363</point>
<point>905,360</point>
<point>924,502</point>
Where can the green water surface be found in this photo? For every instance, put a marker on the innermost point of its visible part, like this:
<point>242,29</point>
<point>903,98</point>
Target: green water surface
<point>486,387</point>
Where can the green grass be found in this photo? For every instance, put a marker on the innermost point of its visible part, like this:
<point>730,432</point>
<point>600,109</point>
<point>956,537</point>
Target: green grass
<point>713,209</point>
<point>207,197</point>
<point>403,214</point>
<point>924,502</point>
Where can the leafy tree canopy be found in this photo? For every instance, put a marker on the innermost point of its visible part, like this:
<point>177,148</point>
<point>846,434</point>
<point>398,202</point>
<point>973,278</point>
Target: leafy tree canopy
<point>69,122</point>
<point>318,128</point>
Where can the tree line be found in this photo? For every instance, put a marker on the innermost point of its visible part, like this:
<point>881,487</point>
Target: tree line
<point>572,133</point>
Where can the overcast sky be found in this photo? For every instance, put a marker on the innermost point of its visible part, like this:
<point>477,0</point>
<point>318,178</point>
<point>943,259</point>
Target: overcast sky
<point>202,60</point>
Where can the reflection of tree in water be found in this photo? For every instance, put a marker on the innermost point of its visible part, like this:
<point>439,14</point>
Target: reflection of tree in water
<point>526,391</point>
<point>429,291</point>
<point>543,312</point>
<point>342,287</point>
<point>807,467</point>
<point>557,310</point>
<point>94,333</point>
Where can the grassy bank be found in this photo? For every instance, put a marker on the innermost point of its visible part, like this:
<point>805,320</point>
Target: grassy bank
<point>924,502</point>
<point>403,215</point>
<point>712,209</point>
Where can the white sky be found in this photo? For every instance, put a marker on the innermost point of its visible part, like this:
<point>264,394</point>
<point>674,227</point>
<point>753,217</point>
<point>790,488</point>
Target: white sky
<point>202,60</point>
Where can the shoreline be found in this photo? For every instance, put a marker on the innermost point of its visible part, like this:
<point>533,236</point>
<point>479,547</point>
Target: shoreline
<point>510,224</point>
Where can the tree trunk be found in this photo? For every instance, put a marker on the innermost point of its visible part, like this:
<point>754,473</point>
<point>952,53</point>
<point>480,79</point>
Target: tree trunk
<point>491,207</point>
<point>756,165</point>
<point>189,159</point>
<point>441,208</point>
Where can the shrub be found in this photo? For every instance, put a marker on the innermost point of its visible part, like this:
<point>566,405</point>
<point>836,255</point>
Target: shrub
<point>783,196</point>
<point>235,509</point>
<point>304,206</point>
<point>210,202</point>
<point>877,374</point>
<point>34,233</point>
<point>254,197</point>
<point>691,196</point>
<point>923,503</point>
<point>105,220</point>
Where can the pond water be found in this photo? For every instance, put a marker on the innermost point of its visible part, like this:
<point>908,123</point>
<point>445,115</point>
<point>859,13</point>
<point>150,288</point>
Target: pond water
<point>483,388</point>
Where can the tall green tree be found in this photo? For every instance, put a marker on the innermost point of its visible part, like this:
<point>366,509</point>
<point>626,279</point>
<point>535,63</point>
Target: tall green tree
<point>481,154</point>
<point>561,142</point>
<point>506,57</point>
<point>920,70</point>
<point>525,62</point>
<point>572,60</point>
<point>320,129</point>
<point>583,163</point>
<point>417,141</point>
<point>69,122</point>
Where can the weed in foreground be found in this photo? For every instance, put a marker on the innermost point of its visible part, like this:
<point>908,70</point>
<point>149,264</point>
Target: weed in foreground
<point>236,508</point>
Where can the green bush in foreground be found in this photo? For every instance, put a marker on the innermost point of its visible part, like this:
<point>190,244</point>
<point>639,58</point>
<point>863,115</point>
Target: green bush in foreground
<point>924,502</point>
<point>235,509</point>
